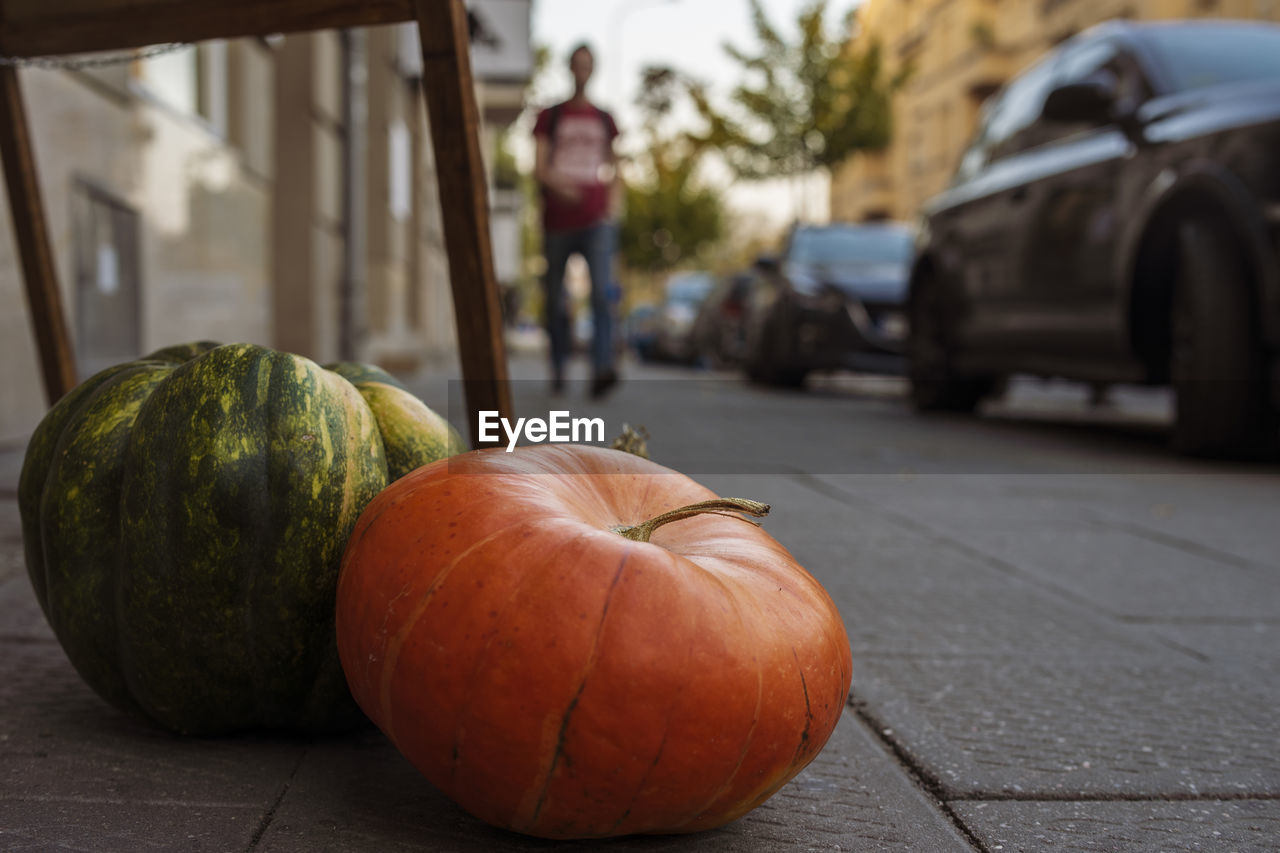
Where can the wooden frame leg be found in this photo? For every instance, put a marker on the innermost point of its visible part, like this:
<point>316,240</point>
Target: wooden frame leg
<point>464,194</point>
<point>31,234</point>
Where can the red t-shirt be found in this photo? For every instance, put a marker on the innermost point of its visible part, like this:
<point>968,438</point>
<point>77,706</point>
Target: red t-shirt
<point>580,149</point>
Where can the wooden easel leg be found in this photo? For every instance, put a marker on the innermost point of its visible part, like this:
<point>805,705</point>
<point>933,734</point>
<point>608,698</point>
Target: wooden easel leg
<point>31,234</point>
<point>455,135</point>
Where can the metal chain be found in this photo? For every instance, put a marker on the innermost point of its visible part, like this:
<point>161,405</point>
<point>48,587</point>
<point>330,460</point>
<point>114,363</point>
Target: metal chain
<point>78,63</point>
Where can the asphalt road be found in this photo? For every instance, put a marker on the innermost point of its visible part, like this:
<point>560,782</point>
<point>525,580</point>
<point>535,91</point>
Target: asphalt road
<point>1064,638</point>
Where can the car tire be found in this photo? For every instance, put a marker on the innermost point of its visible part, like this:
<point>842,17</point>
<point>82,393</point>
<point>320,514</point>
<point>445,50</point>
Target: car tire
<point>1216,361</point>
<point>935,385</point>
<point>766,358</point>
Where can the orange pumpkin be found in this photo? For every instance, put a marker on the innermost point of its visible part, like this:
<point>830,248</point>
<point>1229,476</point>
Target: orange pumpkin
<point>499,620</point>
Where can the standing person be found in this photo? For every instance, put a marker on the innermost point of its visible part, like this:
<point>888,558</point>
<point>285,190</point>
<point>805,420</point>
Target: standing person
<point>577,171</point>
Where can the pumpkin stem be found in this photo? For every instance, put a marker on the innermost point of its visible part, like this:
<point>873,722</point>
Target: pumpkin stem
<point>719,506</point>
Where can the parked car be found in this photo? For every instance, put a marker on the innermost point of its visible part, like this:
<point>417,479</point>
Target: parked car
<point>1116,218</point>
<point>683,296</point>
<point>835,297</point>
<point>719,332</point>
<point>642,329</point>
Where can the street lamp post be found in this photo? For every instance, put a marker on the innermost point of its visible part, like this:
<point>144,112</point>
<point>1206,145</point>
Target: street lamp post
<point>621,12</point>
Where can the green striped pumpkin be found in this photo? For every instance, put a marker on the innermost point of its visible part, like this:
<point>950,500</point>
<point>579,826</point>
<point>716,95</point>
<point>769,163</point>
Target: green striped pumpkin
<point>184,517</point>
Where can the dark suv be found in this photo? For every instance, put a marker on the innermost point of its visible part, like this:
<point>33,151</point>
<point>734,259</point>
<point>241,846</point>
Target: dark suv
<point>1117,220</point>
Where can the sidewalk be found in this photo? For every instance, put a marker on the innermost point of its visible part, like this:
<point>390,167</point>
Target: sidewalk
<point>1042,660</point>
<point>76,773</point>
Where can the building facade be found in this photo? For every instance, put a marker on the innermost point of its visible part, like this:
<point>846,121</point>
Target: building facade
<point>275,190</point>
<point>960,52</point>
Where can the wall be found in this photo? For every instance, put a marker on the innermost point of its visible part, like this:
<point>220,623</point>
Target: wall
<point>203,218</point>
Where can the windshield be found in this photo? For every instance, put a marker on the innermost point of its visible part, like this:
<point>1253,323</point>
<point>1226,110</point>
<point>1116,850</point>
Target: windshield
<point>690,287</point>
<point>1208,55</point>
<point>838,246</point>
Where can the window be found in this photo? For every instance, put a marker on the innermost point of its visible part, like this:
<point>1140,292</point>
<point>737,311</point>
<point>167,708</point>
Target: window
<point>191,80</point>
<point>399,171</point>
<point>851,245</point>
<point>108,286</point>
<point>212,78</point>
<point>1005,117</point>
<point>172,78</point>
<point>1018,109</point>
<point>1202,55</point>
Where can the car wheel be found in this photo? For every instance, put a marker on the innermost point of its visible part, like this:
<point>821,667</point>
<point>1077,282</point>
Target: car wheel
<point>766,357</point>
<point>935,385</point>
<point>1216,362</point>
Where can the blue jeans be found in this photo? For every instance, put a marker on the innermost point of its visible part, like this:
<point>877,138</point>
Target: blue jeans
<point>595,243</point>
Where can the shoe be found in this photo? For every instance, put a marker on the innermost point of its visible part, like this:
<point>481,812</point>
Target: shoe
<point>557,386</point>
<point>603,381</point>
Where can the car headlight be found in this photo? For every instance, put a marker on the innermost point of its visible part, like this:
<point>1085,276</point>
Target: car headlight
<point>893,325</point>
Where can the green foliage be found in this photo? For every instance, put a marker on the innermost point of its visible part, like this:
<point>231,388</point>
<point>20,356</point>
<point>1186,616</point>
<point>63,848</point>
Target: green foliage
<point>804,105</point>
<point>672,217</point>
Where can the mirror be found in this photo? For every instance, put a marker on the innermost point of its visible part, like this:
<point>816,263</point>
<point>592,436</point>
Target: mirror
<point>1090,100</point>
<point>767,263</point>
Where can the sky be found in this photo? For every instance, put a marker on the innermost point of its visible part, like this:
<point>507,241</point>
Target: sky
<point>627,35</point>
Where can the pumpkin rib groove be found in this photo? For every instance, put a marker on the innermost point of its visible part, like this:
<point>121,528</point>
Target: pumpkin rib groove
<point>751,732</point>
<point>38,468</point>
<point>250,604</point>
<point>592,656</point>
<point>808,706</point>
<point>662,744</point>
<point>91,628</point>
<point>481,657</point>
<point>391,661</point>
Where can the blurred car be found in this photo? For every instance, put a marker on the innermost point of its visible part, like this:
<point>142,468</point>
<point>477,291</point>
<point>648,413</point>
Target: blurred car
<point>684,295</point>
<point>835,297</point>
<point>1116,218</point>
<point>642,330</point>
<point>719,331</point>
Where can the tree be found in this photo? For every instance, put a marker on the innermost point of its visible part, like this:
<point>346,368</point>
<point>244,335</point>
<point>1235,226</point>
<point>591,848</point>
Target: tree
<point>802,106</point>
<point>672,217</point>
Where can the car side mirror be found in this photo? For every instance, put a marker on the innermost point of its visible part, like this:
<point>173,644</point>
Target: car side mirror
<point>768,263</point>
<point>1090,100</point>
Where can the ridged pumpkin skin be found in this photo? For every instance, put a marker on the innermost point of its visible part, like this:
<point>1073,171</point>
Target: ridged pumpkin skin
<point>560,680</point>
<point>184,518</point>
<point>411,431</point>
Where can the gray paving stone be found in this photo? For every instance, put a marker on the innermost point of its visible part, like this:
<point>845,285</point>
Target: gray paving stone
<point>910,597</point>
<point>59,739</point>
<point>117,826</point>
<point>1245,826</point>
<point>23,619</point>
<point>902,590</point>
<point>1095,728</point>
<point>1133,577</point>
<point>1230,509</point>
<point>1246,646</point>
<point>347,794</point>
<point>11,561</point>
<point>77,774</point>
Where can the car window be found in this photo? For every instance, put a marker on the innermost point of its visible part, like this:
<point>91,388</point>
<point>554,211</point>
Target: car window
<point>1208,55</point>
<point>690,288</point>
<point>833,246</point>
<point>1019,108</point>
<point>975,156</point>
<point>1011,110</point>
